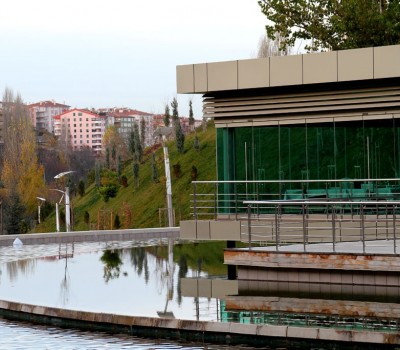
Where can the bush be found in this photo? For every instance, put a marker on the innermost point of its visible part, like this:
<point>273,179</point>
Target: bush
<point>177,170</point>
<point>124,181</point>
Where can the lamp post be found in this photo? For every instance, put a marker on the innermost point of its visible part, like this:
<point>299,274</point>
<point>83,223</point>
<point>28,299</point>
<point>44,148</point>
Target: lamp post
<point>42,200</point>
<point>67,205</point>
<point>57,212</point>
<point>163,132</point>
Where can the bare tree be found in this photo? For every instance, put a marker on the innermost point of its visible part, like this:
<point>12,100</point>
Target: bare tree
<point>268,47</point>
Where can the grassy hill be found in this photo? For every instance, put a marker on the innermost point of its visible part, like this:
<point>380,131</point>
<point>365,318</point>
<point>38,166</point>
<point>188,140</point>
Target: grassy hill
<point>145,201</point>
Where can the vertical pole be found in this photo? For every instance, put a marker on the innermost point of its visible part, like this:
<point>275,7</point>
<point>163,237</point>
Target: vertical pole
<point>39,213</point>
<point>168,184</point>
<point>394,230</point>
<point>194,201</point>
<point>362,227</point>
<point>277,208</point>
<point>249,223</point>
<point>57,219</point>
<point>304,227</point>
<point>333,228</point>
<point>67,211</point>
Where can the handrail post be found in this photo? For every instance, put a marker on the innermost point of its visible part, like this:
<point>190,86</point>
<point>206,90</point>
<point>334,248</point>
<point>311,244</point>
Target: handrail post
<point>333,228</point>
<point>304,206</point>
<point>215,200</point>
<point>194,201</point>
<point>277,209</point>
<point>249,223</point>
<point>362,227</point>
<point>394,229</point>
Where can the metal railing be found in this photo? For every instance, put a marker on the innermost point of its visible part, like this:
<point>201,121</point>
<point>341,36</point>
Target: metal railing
<point>305,211</point>
<point>342,221</point>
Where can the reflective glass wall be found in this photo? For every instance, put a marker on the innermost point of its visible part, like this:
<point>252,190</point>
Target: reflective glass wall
<point>356,150</point>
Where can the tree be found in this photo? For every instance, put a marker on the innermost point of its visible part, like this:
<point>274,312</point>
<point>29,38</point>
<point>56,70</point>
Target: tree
<point>167,116</point>
<point>142,133</point>
<point>333,24</point>
<point>196,143</point>
<point>154,170</point>
<point>191,117</point>
<point>180,137</point>
<point>136,174</point>
<point>14,220</point>
<point>113,141</point>
<point>174,106</point>
<point>22,175</point>
<point>117,222</point>
<point>81,188</point>
<point>268,47</point>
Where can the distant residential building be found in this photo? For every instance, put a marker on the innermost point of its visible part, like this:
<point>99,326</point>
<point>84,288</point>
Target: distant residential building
<point>42,114</point>
<point>80,128</point>
<point>125,119</point>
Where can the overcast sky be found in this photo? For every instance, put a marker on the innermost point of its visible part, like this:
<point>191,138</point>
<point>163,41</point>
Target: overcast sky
<point>98,53</point>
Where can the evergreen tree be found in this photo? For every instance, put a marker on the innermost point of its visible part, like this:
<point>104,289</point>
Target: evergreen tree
<point>142,133</point>
<point>97,170</point>
<point>167,116</point>
<point>196,143</point>
<point>119,167</point>
<point>136,174</point>
<point>180,137</point>
<point>81,188</point>
<point>138,147</point>
<point>154,171</point>
<point>117,222</point>
<point>107,158</point>
<point>14,211</point>
<point>191,117</point>
<point>174,105</point>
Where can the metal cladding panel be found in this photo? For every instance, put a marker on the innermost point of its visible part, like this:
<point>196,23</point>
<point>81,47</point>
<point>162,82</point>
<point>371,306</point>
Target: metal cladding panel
<point>286,70</point>
<point>320,68</point>
<point>356,64</point>
<point>387,61</point>
<point>253,73</point>
<point>222,76</point>
<point>200,78</point>
<point>246,109</point>
<point>185,79</point>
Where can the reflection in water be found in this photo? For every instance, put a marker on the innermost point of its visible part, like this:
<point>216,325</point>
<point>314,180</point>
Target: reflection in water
<point>25,267</point>
<point>66,251</point>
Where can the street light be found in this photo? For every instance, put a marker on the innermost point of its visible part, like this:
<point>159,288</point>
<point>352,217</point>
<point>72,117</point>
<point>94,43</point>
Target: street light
<point>57,212</point>
<point>163,132</point>
<point>67,206</point>
<point>42,200</point>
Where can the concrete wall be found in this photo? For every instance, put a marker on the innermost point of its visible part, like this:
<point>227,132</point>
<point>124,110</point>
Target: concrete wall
<point>197,331</point>
<point>91,236</point>
<point>326,67</point>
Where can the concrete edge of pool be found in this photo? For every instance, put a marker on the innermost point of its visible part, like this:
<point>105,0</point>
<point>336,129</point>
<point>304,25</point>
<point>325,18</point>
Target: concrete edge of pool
<point>229,333</point>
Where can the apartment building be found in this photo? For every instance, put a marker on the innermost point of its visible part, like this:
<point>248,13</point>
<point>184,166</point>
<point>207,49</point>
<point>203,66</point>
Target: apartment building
<point>42,114</point>
<point>80,128</point>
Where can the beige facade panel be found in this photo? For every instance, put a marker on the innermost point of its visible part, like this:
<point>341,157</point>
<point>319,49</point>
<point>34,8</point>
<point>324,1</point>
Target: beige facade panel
<point>185,79</point>
<point>189,287</point>
<point>286,70</point>
<point>204,287</point>
<point>200,78</point>
<point>225,230</point>
<point>203,230</point>
<point>320,67</point>
<point>222,288</point>
<point>356,64</point>
<point>222,76</point>
<point>253,73</point>
<point>188,229</point>
<point>387,61</point>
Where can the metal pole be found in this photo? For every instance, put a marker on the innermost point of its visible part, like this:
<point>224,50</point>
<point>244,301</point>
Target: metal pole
<point>304,227</point>
<point>194,201</point>
<point>277,208</point>
<point>168,184</point>
<point>249,223</point>
<point>39,213</point>
<point>362,227</point>
<point>333,228</point>
<point>67,211</point>
<point>394,229</point>
<point>57,219</point>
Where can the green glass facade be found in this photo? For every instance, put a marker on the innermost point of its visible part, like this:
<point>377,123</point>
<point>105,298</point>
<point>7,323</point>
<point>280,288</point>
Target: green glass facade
<point>365,149</point>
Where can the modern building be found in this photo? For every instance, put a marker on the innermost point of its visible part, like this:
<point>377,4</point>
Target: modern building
<point>42,114</point>
<point>80,128</point>
<point>297,122</point>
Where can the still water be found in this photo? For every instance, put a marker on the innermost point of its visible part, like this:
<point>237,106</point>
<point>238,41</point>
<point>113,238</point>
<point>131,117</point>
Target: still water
<point>129,278</point>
